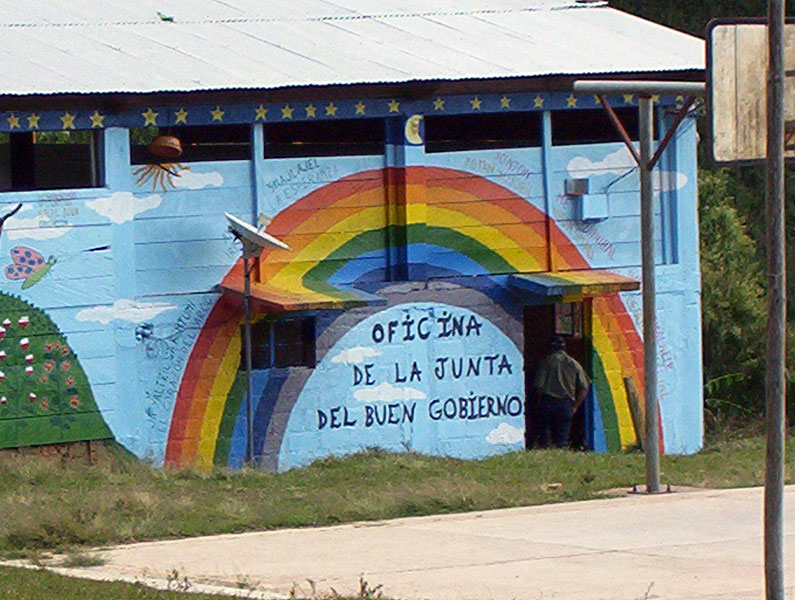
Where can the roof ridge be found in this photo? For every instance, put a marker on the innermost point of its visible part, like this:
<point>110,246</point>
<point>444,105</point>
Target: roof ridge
<point>568,5</point>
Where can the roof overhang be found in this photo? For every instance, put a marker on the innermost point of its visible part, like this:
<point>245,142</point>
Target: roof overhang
<point>316,295</point>
<point>573,283</point>
<point>119,101</point>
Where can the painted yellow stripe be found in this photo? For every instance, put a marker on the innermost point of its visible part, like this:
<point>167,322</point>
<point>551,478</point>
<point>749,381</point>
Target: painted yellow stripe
<point>594,277</point>
<point>225,377</point>
<point>615,379</point>
<point>290,277</point>
<point>491,237</point>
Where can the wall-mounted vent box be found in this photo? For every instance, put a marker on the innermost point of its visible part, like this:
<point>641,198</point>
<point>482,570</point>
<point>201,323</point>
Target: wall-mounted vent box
<point>588,206</point>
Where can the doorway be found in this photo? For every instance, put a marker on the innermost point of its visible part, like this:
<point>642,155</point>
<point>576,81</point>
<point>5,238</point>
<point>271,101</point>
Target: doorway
<point>541,323</point>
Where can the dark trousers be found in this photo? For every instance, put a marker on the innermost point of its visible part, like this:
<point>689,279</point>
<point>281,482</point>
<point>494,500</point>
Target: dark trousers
<point>554,424</point>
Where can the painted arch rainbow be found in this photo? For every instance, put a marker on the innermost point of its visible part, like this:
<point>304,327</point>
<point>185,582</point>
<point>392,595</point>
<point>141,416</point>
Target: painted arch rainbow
<point>451,221</point>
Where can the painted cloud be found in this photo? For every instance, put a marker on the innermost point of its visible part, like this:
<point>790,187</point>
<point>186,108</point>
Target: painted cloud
<point>356,355</point>
<point>191,180</point>
<point>386,392</point>
<point>124,310</point>
<point>39,227</point>
<point>121,207</point>
<point>505,434</point>
<point>617,163</point>
<point>669,181</point>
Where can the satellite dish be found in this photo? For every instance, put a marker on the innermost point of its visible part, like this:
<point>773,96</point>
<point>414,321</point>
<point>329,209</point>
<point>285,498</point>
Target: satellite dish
<point>254,242</point>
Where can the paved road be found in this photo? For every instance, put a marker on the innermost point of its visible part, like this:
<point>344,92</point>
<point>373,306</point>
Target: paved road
<point>705,545</point>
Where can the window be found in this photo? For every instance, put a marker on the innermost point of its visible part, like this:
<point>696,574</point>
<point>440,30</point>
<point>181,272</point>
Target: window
<point>481,132</point>
<point>570,127</point>
<point>568,319</point>
<point>50,160</point>
<point>346,137</point>
<point>283,343</point>
<point>199,143</point>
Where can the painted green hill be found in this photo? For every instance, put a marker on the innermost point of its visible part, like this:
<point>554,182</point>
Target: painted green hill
<point>45,397</point>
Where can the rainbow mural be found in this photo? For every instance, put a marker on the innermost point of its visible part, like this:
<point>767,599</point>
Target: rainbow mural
<point>349,232</point>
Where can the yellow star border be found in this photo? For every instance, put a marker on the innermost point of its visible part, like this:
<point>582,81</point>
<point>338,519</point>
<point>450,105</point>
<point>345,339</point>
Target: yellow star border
<point>31,121</point>
<point>150,117</point>
<point>68,120</point>
<point>97,120</point>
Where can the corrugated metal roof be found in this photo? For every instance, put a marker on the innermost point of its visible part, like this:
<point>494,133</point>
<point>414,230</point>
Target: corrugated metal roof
<point>106,46</point>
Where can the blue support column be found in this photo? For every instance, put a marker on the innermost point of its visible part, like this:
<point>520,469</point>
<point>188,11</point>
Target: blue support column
<point>406,203</point>
<point>118,178</point>
<point>546,162</point>
<point>260,202</point>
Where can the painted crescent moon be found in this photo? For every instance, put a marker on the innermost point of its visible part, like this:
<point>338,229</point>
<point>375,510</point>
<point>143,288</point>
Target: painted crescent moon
<point>413,130</point>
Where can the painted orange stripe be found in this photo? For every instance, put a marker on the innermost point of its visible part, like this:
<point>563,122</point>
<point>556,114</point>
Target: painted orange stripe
<point>183,406</point>
<point>204,383</point>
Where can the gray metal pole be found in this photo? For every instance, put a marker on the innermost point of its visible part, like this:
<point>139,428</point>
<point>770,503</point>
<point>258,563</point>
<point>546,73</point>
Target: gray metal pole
<point>247,342</point>
<point>775,383</point>
<point>652,448</point>
<point>634,86</point>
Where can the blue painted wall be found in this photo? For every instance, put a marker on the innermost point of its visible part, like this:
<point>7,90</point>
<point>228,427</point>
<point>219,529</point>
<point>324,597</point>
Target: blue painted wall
<point>138,262</point>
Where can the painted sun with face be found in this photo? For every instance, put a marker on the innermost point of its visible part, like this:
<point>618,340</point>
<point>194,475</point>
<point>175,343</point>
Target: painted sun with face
<point>159,174</point>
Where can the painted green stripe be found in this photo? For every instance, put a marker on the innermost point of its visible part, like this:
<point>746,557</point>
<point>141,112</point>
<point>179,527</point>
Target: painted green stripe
<point>606,403</point>
<point>231,408</point>
<point>376,239</point>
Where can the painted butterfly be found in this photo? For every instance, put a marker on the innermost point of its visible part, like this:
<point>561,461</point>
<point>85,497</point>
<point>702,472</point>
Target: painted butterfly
<point>28,265</point>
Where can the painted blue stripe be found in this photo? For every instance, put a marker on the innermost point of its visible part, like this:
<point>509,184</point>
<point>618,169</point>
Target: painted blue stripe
<point>237,447</point>
<point>594,426</point>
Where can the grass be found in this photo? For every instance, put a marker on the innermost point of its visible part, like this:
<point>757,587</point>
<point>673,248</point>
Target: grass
<point>65,506</point>
<point>27,584</point>
<point>79,560</point>
<point>40,584</point>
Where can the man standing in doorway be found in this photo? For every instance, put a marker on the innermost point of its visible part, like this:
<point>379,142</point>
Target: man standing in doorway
<point>562,386</point>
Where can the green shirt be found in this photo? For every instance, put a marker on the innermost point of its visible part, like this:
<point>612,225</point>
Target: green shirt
<point>561,376</point>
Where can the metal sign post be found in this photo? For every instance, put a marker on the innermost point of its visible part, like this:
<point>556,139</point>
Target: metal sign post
<point>647,159</point>
<point>652,442</point>
<point>247,343</point>
<point>775,382</point>
<point>745,56</point>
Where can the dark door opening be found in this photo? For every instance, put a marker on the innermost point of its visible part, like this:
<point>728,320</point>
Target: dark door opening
<point>541,324</point>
